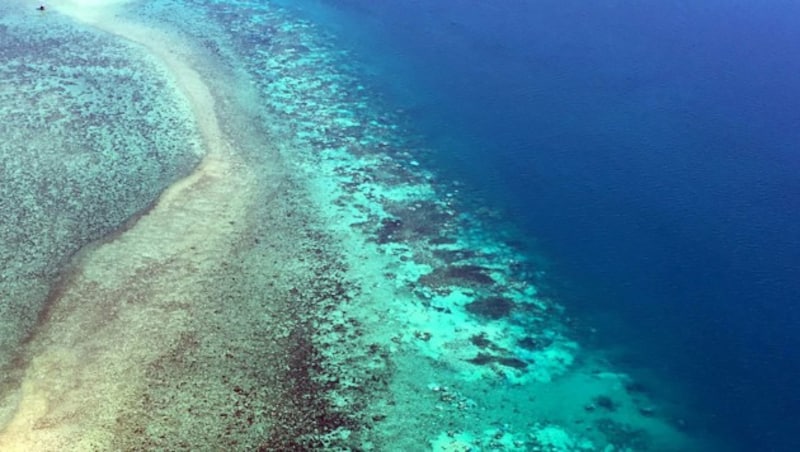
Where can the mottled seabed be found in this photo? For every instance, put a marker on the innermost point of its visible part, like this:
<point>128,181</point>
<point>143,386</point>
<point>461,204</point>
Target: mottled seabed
<point>266,261</point>
<point>88,141</point>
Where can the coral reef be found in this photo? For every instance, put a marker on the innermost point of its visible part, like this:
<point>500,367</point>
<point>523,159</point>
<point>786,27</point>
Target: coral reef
<point>364,302</point>
<point>88,144</point>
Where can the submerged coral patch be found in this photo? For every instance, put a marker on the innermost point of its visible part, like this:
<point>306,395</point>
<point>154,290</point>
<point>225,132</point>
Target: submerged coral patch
<point>531,343</point>
<point>465,275</point>
<point>624,436</point>
<point>492,307</point>
<point>389,230</point>
<point>451,256</point>
<point>480,340</point>
<point>483,359</point>
<point>412,221</point>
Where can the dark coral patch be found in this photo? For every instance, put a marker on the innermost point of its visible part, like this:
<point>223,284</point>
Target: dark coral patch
<point>634,387</point>
<point>492,307</point>
<point>483,359</point>
<point>531,343</point>
<point>451,256</point>
<point>470,273</point>
<point>462,275</point>
<point>480,340</point>
<point>606,403</point>
<point>624,435</point>
<point>409,222</point>
<point>442,240</point>
<point>388,231</point>
<point>423,217</point>
<point>516,363</point>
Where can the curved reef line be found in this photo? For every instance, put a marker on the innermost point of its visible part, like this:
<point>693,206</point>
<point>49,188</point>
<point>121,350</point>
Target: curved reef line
<point>127,301</point>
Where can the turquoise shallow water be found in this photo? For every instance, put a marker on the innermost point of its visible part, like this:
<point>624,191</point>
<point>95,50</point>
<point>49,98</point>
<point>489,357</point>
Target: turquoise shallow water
<point>365,301</point>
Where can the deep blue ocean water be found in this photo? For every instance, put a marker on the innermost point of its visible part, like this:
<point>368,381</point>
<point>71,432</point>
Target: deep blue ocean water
<point>650,149</point>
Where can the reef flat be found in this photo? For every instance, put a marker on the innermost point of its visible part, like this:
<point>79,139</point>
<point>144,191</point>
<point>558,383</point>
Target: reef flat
<point>88,143</point>
<point>307,284</point>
